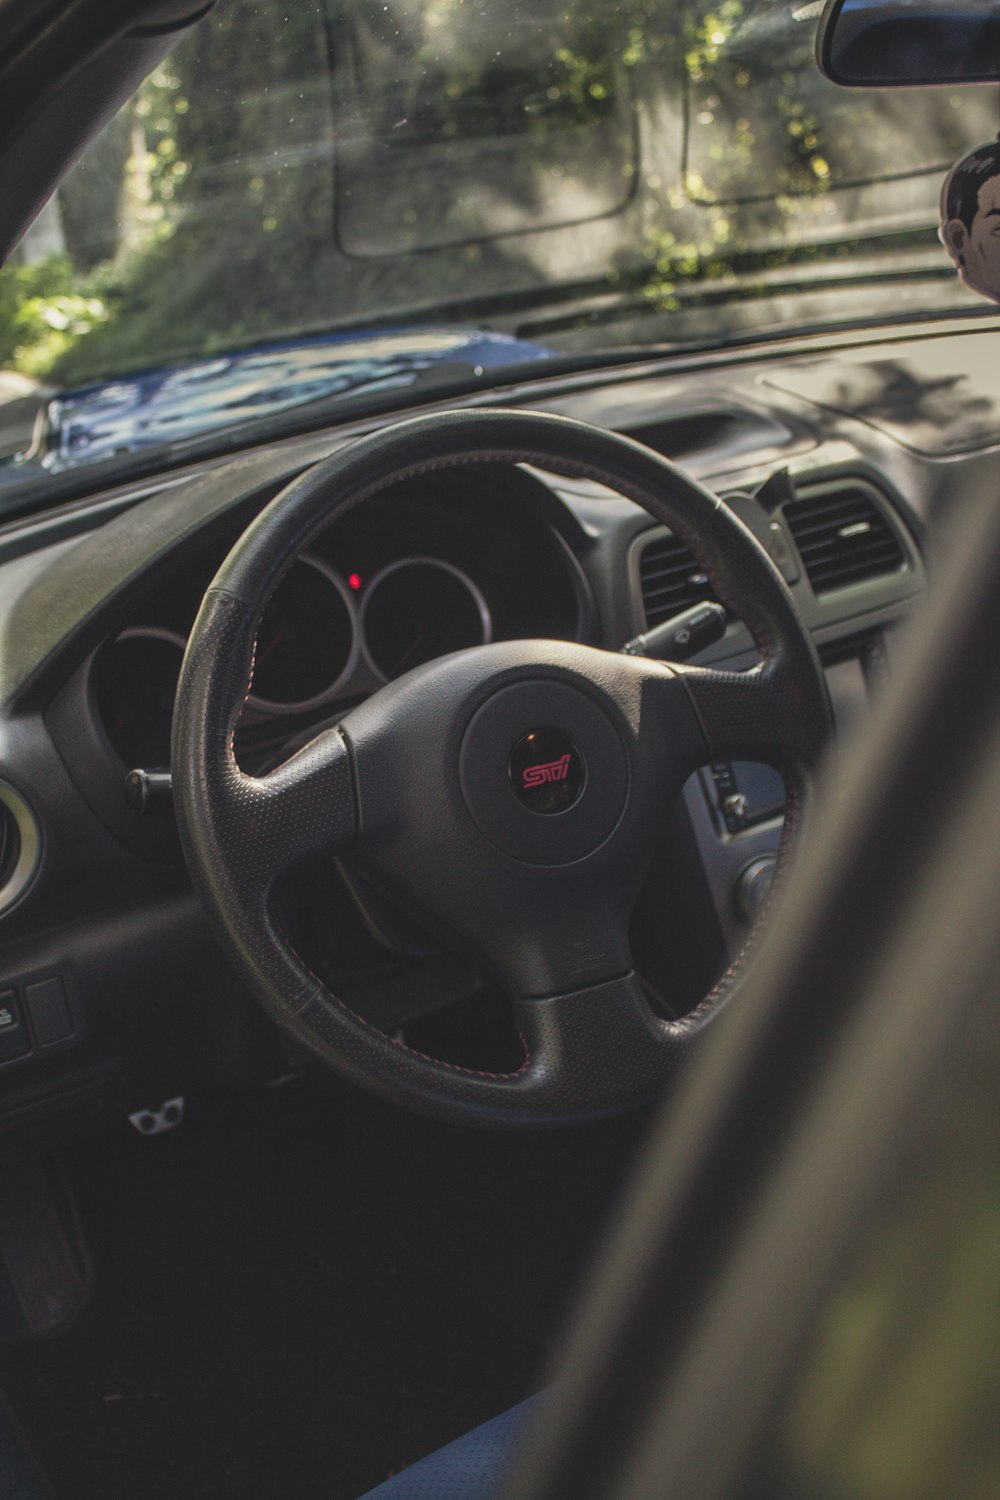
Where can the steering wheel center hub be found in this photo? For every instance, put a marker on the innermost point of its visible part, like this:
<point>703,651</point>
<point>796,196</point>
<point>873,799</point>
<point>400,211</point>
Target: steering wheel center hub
<point>544,772</point>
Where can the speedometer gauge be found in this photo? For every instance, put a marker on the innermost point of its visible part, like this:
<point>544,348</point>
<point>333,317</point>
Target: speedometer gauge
<point>418,609</point>
<point>307,643</point>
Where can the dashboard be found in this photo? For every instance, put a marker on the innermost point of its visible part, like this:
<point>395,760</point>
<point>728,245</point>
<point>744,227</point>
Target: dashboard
<point>111,987</point>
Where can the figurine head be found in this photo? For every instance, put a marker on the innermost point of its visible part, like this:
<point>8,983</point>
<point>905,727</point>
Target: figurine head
<point>970,219</point>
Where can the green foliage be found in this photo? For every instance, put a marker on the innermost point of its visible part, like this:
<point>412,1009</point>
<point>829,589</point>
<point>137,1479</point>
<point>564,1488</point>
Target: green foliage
<point>185,280</point>
<point>44,309</point>
<point>706,37</point>
<point>260,260</point>
<point>588,84</point>
<point>231,186</point>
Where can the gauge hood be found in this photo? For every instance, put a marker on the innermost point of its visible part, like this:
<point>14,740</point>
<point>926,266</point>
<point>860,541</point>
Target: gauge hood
<point>182,401</point>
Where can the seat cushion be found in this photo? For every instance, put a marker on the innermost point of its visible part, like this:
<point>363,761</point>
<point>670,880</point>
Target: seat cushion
<point>473,1467</point>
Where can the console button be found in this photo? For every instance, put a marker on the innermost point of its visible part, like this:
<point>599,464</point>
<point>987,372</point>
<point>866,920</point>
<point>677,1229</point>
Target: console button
<point>754,886</point>
<point>14,1039</point>
<point>50,1013</point>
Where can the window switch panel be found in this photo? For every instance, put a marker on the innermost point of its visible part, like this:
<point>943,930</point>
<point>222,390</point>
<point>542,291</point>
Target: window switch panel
<point>14,1039</point>
<point>50,1013</point>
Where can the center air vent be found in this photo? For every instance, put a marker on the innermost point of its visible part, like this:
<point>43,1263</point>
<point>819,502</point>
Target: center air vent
<point>672,579</point>
<point>843,537</point>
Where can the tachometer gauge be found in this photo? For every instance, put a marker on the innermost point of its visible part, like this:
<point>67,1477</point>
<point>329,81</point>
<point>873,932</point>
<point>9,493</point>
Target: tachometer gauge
<point>420,608</point>
<point>307,643</point>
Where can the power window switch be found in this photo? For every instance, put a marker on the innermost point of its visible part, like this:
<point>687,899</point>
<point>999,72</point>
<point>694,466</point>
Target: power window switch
<point>14,1039</point>
<point>50,1012</point>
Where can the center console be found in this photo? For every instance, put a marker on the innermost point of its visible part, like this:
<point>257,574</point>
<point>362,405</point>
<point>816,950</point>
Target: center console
<point>737,808</point>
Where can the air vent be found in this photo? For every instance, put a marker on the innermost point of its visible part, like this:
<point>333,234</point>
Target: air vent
<point>843,537</point>
<point>19,846</point>
<point>10,844</point>
<point>672,578</point>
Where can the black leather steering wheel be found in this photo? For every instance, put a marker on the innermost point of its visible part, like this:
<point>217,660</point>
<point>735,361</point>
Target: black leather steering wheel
<point>532,850</point>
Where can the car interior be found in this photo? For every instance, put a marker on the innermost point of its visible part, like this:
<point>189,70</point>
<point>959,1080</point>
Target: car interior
<point>499,846</point>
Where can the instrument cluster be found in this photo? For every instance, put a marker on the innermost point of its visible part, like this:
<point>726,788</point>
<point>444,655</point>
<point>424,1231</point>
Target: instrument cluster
<point>390,588</point>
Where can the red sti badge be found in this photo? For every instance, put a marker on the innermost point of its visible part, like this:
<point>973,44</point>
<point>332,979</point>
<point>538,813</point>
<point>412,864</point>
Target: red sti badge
<point>551,770</point>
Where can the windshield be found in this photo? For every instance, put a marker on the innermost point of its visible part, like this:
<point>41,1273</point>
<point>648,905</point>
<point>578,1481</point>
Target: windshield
<point>334,200</point>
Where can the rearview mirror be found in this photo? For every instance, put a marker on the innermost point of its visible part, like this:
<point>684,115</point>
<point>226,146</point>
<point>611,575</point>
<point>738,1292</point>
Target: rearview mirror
<point>887,43</point>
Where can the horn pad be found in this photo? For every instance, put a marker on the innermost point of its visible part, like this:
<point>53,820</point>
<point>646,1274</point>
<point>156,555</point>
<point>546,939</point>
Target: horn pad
<point>544,772</point>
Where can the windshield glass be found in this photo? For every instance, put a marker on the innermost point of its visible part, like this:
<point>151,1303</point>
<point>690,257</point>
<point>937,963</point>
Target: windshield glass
<point>330,200</point>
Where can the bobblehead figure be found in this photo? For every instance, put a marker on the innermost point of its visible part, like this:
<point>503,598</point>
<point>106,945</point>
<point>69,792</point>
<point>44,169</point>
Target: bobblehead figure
<point>970,219</point>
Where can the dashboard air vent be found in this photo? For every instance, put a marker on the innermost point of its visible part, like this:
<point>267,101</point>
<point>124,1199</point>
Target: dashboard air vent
<point>843,537</point>
<point>672,579</point>
<point>10,844</point>
<point>19,846</point>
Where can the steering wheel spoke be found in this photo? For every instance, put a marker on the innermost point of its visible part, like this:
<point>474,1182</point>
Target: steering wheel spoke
<point>303,808</point>
<point>546,947</point>
<point>753,715</point>
<point>597,1048</point>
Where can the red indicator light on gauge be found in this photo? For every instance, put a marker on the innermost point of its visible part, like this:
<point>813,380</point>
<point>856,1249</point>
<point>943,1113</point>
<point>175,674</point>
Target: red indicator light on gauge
<point>354,581</point>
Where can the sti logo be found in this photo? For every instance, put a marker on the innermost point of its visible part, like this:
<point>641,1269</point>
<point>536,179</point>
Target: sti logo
<point>551,770</point>
<point>546,771</point>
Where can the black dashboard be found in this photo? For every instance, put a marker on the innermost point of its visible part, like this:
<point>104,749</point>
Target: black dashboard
<point>110,985</point>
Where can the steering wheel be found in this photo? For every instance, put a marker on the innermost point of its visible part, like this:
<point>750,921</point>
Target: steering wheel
<point>517,791</point>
